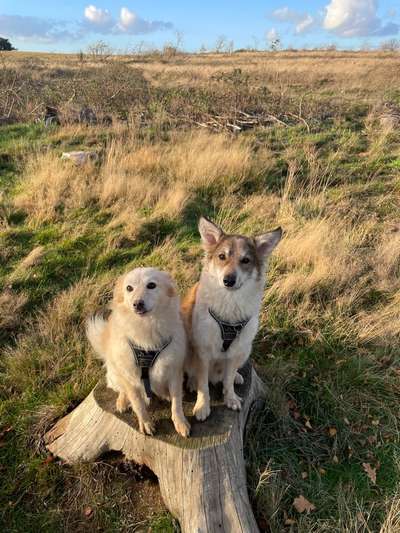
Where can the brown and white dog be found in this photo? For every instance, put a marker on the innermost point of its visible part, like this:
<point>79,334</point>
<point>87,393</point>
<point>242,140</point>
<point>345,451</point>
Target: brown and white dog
<point>143,345</point>
<point>221,310</point>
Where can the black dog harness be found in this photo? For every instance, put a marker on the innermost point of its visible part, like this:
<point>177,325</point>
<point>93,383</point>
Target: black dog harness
<point>145,360</point>
<point>229,332</point>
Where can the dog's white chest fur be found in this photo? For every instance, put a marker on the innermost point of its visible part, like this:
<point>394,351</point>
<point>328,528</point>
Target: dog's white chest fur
<point>229,306</point>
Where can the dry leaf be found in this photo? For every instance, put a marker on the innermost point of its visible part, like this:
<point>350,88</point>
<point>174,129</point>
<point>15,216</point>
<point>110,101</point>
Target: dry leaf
<point>304,475</point>
<point>335,459</point>
<point>346,421</point>
<point>291,404</point>
<point>88,511</point>
<point>371,472</point>
<point>301,504</point>
<point>290,522</point>
<point>322,471</point>
<point>307,423</point>
<point>332,432</point>
<point>350,451</point>
<point>375,422</point>
<point>49,459</point>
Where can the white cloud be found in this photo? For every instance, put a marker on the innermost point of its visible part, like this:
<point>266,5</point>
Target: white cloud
<point>101,21</point>
<point>95,20</point>
<point>130,22</point>
<point>285,14</point>
<point>127,18</point>
<point>97,15</point>
<point>302,21</point>
<point>356,18</point>
<point>305,24</point>
<point>345,18</point>
<point>37,29</point>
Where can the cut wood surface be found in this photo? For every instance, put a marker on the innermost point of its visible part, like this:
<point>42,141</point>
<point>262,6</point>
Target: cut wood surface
<point>202,479</point>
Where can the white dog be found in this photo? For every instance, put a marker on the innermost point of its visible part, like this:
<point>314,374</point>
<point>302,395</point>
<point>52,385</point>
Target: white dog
<point>221,310</point>
<point>143,345</point>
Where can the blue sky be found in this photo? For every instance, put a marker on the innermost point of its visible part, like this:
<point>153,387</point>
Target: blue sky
<point>49,25</point>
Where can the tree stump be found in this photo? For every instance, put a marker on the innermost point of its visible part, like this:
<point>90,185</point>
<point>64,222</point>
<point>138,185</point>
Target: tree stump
<point>202,479</point>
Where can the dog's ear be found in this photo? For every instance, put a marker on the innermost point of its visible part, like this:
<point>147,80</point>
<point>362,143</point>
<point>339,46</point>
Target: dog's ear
<point>171,290</point>
<point>266,243</point>
<point>210,233</point>
<point>118,293</point>
<point>170,285</point>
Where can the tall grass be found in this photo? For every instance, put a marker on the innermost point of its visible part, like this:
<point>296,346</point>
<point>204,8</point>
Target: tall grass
<point>329,336</point>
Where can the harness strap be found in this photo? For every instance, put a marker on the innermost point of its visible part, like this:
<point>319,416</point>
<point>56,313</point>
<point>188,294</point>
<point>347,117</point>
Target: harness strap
<point>229,331</point>
<point>145,360</point>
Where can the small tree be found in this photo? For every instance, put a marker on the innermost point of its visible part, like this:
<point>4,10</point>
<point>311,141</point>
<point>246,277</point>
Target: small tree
<point>220,44</point>
<point>273,40</point>
<point>275,44</point>
<point>100,51</point>
<point>392,45</point>
<point>5,45</point>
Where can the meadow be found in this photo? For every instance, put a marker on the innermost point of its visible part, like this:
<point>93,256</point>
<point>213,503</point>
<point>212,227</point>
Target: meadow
<point>309,141</point>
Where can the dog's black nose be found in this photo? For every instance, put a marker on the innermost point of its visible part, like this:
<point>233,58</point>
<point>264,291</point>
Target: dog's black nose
<point>138,305</point>
<point>230,280</point>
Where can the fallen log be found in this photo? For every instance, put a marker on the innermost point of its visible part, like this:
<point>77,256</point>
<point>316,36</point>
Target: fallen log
<point>202,479</point>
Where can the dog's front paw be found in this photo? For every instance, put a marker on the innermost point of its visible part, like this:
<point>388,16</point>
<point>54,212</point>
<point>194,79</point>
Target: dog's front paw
<point>239,379</point>
<point>233,402</point>
<point>146,427</point>
<point>182,426</point>
<point>201,410</point>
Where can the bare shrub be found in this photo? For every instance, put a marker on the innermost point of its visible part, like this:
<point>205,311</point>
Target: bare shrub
<point>391,45</point>
<point>99,51</point>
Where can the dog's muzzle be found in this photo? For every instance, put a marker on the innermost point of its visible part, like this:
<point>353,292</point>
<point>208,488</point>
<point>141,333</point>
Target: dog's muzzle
<point>139,307</point>
<point>229,280</point>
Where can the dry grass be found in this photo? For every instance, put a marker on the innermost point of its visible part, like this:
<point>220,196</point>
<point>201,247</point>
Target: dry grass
<point>11,305</point>
<point>387,262</point>
<point>34,257</point>
<point>190,88</point>
<point>382,325</point>
<point>392,520</point>
<point>330,326</point>
<point>54,184</point>
<point>134,177</point>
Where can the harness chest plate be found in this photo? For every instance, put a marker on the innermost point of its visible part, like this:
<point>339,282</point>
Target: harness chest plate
<point>229,331</point>
<point>145,360</point>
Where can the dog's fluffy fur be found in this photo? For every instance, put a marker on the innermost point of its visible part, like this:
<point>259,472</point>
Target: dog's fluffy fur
<point>147,325</point>
<point>232,285</point>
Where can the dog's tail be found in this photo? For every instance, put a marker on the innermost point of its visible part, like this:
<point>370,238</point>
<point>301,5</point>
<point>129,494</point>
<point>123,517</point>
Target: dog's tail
<point>94,330</point>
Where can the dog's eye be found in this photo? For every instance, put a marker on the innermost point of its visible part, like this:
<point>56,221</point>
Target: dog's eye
<point>151,285</point>
<point>129,288</point>
<point>245,260</point>
<point>222,257</point>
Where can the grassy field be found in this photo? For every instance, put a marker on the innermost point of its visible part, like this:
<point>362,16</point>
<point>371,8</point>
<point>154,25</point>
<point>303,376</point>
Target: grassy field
<point>322,159</point>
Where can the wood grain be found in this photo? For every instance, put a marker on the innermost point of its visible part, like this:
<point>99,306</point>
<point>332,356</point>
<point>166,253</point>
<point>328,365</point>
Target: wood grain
<point>202,479</point>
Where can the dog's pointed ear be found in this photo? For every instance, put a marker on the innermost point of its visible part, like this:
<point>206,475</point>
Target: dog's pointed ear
<point>210,233</point>
<point>266,243</point>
